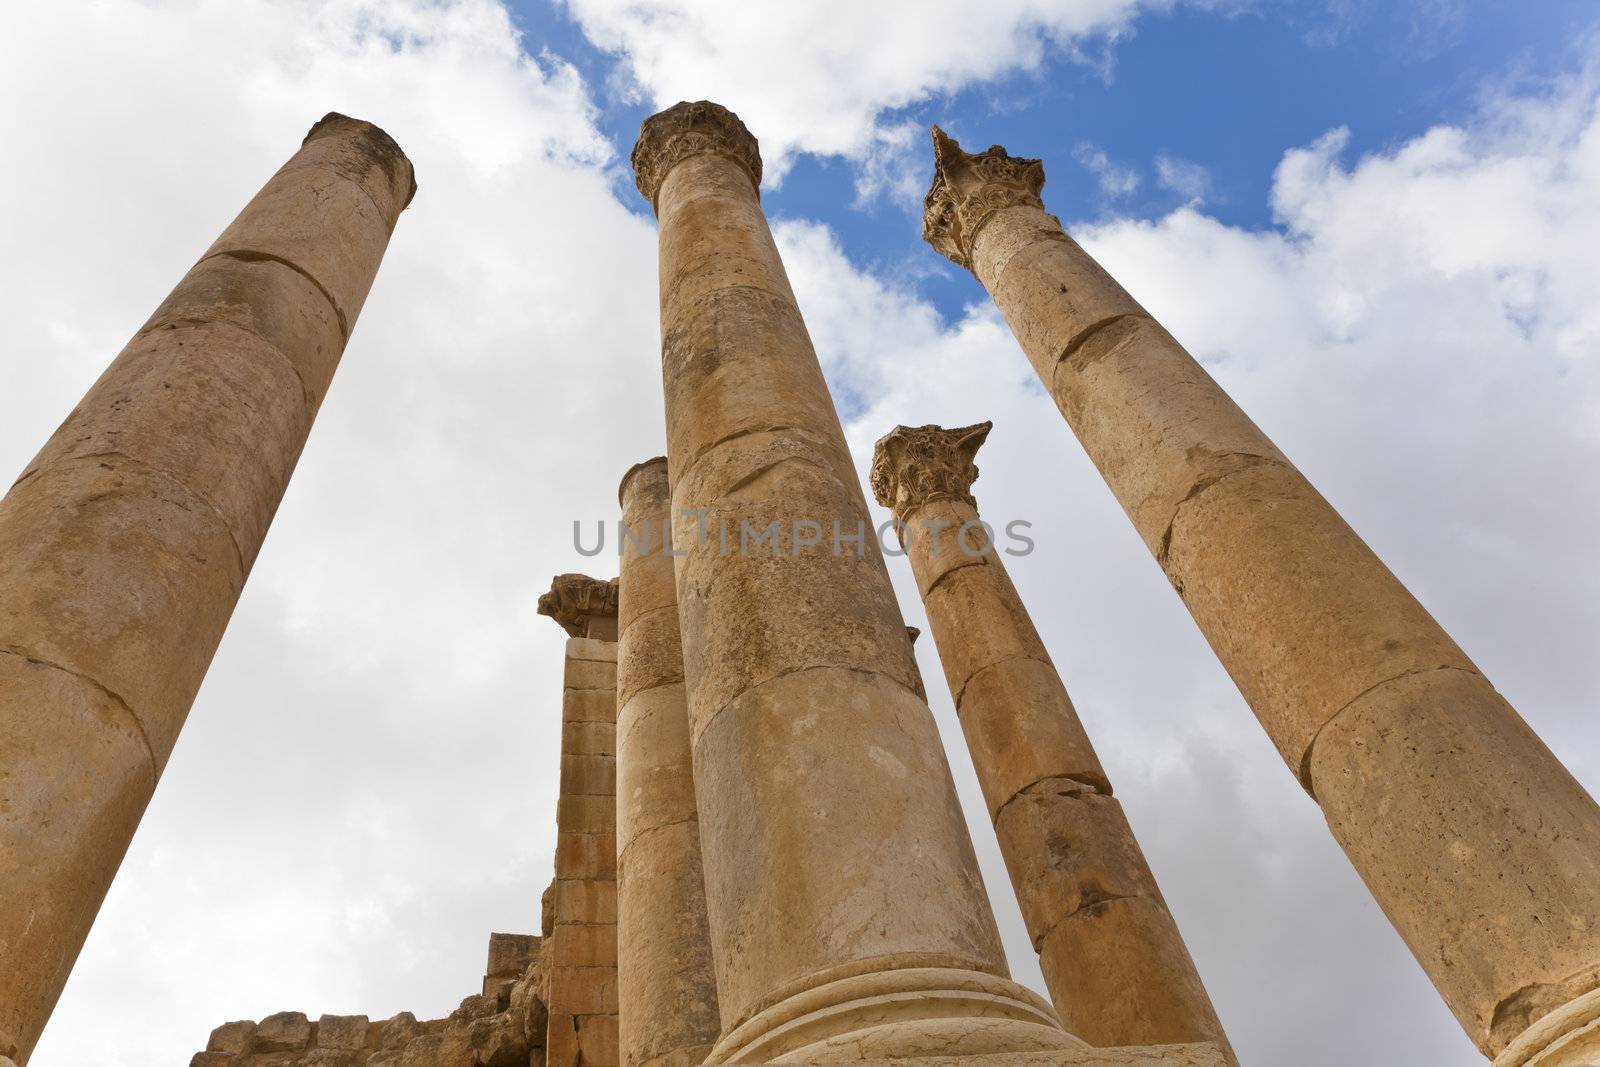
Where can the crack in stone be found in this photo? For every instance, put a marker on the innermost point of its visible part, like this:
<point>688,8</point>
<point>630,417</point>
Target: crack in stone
<point>1097,786</point>
<point>1089,332</point>
<point>187,322</point>
<point>1205,482</point>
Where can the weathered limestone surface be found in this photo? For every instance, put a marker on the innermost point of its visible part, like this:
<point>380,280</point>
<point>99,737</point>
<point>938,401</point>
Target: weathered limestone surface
<point>583,938</point>
<point>847,916</point>
<point>1478,844</point>
<point>506,1029</point>
<point>126,541</point>
<point>666,986</point>
<point>1116,965</point>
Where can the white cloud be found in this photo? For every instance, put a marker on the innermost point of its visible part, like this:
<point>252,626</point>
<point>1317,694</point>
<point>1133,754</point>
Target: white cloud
<point>1116,180</point>
<point>825,76</point>
<point>1188,179</point>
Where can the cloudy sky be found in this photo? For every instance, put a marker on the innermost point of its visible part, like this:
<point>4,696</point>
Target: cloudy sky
<point>1374,221</point>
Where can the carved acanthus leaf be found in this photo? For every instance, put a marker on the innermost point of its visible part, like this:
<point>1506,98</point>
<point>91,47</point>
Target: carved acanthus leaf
<point>574,599</point>
<point>914,465</point>
<point>686,129</point>
<point>968,189</point>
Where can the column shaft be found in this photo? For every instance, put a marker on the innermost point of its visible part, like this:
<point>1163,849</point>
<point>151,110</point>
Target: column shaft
<point>125,543</point>
<point>1116,965</point>
<point>666,987</point>
<point>1479,845</point>
<point>847,916</point>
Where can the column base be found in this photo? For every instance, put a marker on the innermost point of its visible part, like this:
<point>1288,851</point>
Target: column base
<point>921,1011</point>
<point>1567,1037</point>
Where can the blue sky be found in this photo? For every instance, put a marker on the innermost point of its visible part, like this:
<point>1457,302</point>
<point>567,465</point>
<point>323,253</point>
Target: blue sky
<point>1226,90</point>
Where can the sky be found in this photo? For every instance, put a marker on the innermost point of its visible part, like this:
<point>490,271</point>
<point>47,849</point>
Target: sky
<point>1373,221</point>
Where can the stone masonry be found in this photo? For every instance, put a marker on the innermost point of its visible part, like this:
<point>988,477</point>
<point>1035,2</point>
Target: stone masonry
<point>582,989</point>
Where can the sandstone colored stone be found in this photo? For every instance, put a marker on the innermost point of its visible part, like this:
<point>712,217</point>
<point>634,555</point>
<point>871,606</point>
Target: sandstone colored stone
<point>666,986</point>
<point>342,1031</point>
<point>586,901</point>
<point>589,775</point>
<point>270,300</point>
<point>449,1049</point>
<point>1116,965</point>
<point>1473,838</point>
<point>238,1037</point>
<point>287,1031</point>
<point>199,1059</point>
<point>124,546</point>
<point>396,1032</point>
<point>88,775</point>
<point>800,676</point>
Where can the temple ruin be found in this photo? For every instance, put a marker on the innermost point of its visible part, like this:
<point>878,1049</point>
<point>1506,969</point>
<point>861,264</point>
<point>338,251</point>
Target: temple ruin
<point>760,853</point>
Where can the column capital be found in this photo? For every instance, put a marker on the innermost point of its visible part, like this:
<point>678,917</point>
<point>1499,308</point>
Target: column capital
<point>576,600</point>
<point>968,188</point>
<point>913,465</point>
<point>686,129</point>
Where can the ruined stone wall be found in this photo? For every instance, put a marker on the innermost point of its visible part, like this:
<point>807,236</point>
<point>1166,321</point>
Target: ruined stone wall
<point>504,1026</point>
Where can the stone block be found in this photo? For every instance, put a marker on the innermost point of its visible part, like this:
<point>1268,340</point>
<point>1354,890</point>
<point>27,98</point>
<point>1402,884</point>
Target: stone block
<point>589,705</point>
<point>287,1031</point>
<point>597,1041</point>
<point>590,674</point>
<point>510,954</point>
<point>342,1031</point>
<point>237,1037</point>
<point>584,945</point>
<point>591,856</point>
<point>582,814</point>
<point>590,648</point>
<point>395,1032</point>
<point>199,1059</point>
<point>588,775</point>
<point>582,991</point>
<point>588,739</point>
<point>450,1048</point>
<point>586,901</point>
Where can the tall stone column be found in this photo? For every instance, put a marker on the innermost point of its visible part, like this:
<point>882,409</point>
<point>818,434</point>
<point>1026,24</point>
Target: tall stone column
<point>1479,845</point>
<point>666,987</point>
<point>125,543</point>
<point>848,920</point>
<point>581,989</point>
<point>1117,967</point>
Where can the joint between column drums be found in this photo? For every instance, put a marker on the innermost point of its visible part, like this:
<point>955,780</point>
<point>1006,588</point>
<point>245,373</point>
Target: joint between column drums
<point>1305,760</point>
<point>1204,484</point>
<point>249,256</point>
<point>114,697</point>
<point>1572,1027</point>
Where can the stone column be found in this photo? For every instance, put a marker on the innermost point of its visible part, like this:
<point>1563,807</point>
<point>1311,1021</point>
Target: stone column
<point>848,919</point>
<point>1478,844</point>
<point>666,987</point>
<point>582,938</point>
<point>1117,967</point>
<point>125,543</point>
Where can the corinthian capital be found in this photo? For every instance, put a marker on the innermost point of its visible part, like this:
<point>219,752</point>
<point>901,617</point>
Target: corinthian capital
<point>913,465</point>
<point>968,188</point>
<point>582,605</point>
<point>685,129</point>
